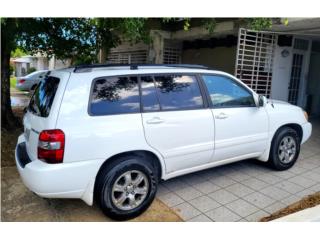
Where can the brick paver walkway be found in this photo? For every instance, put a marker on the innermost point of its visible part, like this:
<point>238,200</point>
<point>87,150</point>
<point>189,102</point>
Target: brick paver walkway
<point>244,191</point>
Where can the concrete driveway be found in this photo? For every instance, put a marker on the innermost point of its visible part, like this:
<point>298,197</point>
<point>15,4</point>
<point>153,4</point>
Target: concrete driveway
<point>244,191</point>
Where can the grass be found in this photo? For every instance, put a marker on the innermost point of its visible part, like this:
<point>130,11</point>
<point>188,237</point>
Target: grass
<point>13,82</point>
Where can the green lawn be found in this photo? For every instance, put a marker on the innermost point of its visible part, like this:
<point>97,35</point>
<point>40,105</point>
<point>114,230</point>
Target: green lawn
<point>13,81</point>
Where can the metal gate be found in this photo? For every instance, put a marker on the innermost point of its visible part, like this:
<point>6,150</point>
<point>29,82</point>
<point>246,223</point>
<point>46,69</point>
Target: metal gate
<point>255,59</point>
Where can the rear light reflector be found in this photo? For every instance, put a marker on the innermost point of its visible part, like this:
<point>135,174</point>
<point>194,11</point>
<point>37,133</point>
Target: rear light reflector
<point>51,146</point>
<point>22,81</point>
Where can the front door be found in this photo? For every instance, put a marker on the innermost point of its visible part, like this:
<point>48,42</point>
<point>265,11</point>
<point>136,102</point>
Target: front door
<point>175,120</point>
<point>241,128</point>
<point>297,82</point>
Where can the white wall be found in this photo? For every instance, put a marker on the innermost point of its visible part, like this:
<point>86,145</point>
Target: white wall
<point>40,62</point>
<point>282,73</point>
<point>57,63</point>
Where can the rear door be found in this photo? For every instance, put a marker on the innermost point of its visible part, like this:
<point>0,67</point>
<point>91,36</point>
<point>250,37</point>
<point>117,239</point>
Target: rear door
<point>176,120</point>
<point>43,109</point>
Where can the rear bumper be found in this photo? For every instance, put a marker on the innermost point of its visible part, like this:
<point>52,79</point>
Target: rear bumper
<point>65,180</point>
<point>307,130</point>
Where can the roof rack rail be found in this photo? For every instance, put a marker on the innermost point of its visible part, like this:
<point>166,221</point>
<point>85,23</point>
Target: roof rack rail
<point>87,67</point>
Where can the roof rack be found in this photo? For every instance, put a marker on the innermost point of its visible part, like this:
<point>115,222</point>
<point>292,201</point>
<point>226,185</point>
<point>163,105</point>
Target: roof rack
<point>88,67</point>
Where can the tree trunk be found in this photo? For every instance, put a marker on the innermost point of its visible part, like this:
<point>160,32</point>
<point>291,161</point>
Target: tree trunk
<point>8,120</point>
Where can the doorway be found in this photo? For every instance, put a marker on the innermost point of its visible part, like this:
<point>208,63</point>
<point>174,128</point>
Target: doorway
<point>299,72</point>
<point>313,85</point>
<point>295,77</point>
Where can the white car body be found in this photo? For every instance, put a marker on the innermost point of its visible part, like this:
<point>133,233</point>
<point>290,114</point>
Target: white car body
<point>185,142</point>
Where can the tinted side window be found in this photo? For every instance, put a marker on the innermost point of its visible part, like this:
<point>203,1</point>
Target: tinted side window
<point>178,92</point>
<point>115,95</point>
<point>42,99</point>
<point>149,95</point>
<point>225,92</point>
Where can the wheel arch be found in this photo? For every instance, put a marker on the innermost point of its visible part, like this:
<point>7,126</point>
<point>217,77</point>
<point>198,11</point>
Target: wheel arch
<point>145,153</point>
<point>296,126</point>
<point>156,161</point>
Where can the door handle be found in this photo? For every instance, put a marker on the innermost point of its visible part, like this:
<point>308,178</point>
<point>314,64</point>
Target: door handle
<point>221,116</point>
<point>155,120</point>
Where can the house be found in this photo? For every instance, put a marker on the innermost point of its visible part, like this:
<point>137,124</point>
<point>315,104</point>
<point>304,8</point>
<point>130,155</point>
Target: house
<point>281,63</point>
<point>39,62</point>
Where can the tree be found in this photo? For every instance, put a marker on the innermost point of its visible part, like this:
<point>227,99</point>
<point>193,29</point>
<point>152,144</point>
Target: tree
<point>64,37</point>
<point>8,32</point>
<point>18,52</point>
<point>78,39</point>
<point>111,32</point>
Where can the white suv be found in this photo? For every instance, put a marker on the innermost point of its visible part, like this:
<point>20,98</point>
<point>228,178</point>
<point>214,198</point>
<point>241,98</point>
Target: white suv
<point>111,133</point>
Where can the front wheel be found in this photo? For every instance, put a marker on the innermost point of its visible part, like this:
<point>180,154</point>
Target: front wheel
<point>127,189</point>
<point>285,149</point>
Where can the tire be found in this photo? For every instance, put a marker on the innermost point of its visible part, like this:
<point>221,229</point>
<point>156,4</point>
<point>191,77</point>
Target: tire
<point>282,155</point>
<point>114,176</point>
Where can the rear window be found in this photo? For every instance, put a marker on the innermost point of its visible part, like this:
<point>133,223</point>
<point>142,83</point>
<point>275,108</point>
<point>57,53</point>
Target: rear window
<point>115,95</point>
<point>42,99</point>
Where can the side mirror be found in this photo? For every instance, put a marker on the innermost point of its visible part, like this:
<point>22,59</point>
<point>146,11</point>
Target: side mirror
<point>262,100</point>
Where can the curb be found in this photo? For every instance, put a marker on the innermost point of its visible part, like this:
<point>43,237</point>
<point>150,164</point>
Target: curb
<point>306,215</point>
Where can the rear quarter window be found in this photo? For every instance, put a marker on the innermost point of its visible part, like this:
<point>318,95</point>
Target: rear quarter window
<point>115,95</point>
<point>42,99</point>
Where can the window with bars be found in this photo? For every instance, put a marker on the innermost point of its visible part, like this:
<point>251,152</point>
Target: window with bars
<point>127,57</point>
<point>172,53</point>
<point>301,44</point>
<point>255,59</point>
<point>295,77</point>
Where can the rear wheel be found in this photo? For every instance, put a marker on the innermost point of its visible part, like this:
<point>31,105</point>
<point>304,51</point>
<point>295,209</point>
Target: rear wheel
<point>127,188</point>
<point>285,149</point>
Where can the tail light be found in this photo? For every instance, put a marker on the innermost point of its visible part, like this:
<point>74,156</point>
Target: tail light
<point>22,81</point>
<point>51,146</point>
